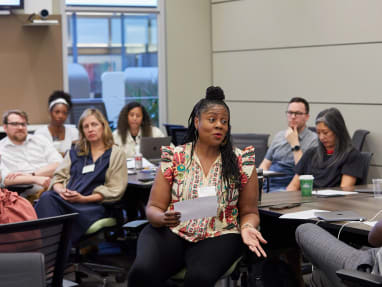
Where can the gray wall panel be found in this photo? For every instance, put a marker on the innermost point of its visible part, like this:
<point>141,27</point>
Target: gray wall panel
<point>188,31</point>
<point>253,24</point>
<point>322,74</point>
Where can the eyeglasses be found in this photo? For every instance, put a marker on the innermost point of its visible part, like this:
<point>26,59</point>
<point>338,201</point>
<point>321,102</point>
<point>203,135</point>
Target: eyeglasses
<point>297,114</point>
<point>15,124</point>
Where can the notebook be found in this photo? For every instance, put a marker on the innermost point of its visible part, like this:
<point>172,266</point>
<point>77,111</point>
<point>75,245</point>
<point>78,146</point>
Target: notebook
<point>150,147</point>
<point>342,215</point>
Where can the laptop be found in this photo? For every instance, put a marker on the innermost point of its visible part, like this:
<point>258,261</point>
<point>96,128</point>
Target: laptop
<point>151,147</point>
<point>364,190</point>
<point>343,215</point>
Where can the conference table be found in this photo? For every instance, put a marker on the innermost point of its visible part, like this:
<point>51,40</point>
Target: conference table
<point>280,232</point>
<point>137,178</point>
<point>140,182</point>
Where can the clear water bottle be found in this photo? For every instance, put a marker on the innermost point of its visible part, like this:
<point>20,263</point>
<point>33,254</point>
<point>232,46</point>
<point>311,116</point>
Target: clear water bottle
<point>138,158</point>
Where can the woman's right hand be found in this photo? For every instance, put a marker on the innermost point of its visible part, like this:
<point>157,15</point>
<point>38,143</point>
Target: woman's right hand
<point>170,218</point>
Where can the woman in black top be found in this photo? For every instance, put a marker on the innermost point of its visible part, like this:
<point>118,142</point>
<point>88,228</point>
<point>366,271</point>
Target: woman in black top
<point>334,162</point>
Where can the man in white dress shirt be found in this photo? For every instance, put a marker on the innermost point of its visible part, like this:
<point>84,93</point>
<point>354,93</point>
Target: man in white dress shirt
<point>26,159</point>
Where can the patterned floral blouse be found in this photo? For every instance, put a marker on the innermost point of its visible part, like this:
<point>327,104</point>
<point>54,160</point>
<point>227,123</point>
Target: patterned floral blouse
<point>186,178</point>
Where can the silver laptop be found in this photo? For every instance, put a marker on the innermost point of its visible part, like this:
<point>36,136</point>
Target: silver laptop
<point>343,215</point>
<point>150,147</point>
<point>364,190</point>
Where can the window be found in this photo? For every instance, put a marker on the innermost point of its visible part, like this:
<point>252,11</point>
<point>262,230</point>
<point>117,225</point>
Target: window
<point>104,41</point>
<point>116,3</point>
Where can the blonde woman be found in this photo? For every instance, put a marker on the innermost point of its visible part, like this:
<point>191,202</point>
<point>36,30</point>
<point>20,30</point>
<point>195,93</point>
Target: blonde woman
<point>94,171</point>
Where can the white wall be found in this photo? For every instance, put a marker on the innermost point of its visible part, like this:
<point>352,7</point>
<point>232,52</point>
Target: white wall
<point>188,32</point>
<point>330,52</point>
<point>35,6</point>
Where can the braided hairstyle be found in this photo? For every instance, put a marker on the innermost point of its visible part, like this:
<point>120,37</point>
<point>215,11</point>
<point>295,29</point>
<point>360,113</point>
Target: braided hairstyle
<point>230,168</point>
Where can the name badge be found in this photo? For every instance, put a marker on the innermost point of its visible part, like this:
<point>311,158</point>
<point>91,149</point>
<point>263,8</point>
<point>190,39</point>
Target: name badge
<point>207,191</point>
<point>88,168</point>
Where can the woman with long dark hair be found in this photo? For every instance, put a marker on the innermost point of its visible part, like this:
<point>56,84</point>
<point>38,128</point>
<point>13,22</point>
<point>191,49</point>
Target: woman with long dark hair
<point>334,162</point>
<point>134,123</point>
<point>206,164</point>
<point>57,132</point>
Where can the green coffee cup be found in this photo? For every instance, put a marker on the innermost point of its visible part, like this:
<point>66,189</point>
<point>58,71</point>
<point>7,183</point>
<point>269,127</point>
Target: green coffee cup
<point>306,185</point>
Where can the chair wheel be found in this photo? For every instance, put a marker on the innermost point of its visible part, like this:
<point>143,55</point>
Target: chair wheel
<point>120,277</point>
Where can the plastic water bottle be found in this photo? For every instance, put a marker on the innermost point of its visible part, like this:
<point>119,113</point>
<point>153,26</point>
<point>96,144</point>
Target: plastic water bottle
<point>138,158</point>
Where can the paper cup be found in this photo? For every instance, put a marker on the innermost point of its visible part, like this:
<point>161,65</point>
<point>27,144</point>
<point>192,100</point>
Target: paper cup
<point>306,185</point>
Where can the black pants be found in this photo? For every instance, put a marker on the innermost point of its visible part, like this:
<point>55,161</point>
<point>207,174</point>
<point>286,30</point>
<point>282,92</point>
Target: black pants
<point>161,254</point>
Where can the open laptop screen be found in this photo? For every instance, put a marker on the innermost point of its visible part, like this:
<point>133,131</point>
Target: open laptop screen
<point>150,147</point>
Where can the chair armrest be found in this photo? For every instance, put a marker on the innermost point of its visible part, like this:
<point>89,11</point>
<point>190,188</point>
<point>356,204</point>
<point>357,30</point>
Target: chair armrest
<point>116,211</point>
<point>115,205</point>
<point>111,204</point>
<point>19,187</point>
<point>359,277</point>
<point>136,224</point>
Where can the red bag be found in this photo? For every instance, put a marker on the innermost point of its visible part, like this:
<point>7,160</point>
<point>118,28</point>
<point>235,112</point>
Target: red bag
<point>14,208</point>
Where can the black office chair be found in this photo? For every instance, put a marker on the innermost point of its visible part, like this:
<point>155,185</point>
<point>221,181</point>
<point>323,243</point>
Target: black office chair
<point>313,129</point>
<point>81,104</point>
<point>19,188</point>
<point>358,138</point>
<point>105,229</point>
<point>259,141</point>
<point>359,278</point>
<point>170,127</point>
<point>366,158</point>
<point>22,269</point>
<point>49,236</point>
<point>179,136</point>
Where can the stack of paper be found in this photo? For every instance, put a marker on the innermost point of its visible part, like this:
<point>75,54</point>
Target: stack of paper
<point>330,192</point>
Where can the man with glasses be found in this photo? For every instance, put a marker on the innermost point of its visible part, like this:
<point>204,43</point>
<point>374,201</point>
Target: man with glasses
<point>26,159</point>
<point>288,146</point>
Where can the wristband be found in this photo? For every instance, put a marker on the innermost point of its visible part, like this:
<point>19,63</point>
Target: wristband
<point>245,225</point>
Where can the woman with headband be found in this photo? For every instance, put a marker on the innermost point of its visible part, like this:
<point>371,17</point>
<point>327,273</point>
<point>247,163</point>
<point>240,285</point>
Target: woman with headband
<point>61,135</point>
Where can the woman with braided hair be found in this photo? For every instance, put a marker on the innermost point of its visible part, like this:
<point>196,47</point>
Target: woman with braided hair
<point>206,246</point>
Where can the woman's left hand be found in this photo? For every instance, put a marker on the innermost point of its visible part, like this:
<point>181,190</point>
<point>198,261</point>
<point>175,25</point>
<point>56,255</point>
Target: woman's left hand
<point>252,238</point>
<point>73,196</point>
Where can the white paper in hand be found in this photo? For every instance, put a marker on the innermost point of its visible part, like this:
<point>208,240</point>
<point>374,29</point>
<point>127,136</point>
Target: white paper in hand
<point>197,208</point>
